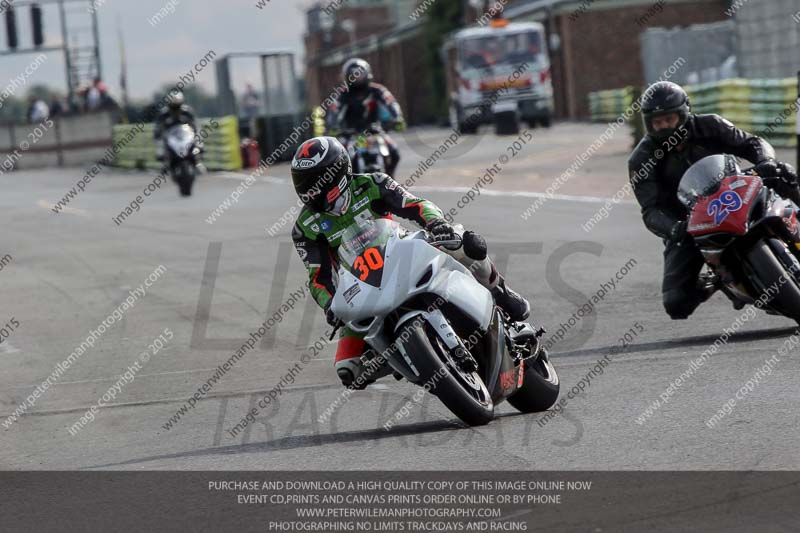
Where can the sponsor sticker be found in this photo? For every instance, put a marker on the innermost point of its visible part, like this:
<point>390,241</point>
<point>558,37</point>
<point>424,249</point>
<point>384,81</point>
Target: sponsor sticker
<point>311,153</point>
<point>358,205</point>
<point>351,293</point>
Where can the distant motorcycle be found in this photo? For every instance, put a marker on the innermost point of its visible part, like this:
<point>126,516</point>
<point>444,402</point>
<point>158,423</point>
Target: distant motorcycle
<point>182,155</point>
<point>436,326</point>
<point>368,152</point>
<point>748,235</point>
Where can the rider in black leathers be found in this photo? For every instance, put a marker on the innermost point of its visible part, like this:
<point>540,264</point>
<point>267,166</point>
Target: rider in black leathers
<point>676,139</point>
<point>363,104</point>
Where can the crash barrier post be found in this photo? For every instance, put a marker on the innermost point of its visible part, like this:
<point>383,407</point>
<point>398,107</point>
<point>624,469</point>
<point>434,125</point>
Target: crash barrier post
<point>220,137</point>
<point>765,107</point>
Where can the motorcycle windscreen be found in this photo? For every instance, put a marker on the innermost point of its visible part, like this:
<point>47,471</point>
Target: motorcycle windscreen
<point>363,248</point>
<point>704,177</point>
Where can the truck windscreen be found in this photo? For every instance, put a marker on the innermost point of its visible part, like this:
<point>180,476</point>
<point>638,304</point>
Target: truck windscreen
<point>509,49</point>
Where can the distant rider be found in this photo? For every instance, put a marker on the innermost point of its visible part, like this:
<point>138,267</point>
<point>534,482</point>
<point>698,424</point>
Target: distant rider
<point>363,104</point>
<point>175,113</point>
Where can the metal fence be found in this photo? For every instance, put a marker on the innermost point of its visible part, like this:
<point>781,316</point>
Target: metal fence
<point>709,52</point>
<point>768,34</point>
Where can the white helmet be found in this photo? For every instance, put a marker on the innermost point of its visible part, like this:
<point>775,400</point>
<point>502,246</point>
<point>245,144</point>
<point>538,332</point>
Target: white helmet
<point>175,99</point>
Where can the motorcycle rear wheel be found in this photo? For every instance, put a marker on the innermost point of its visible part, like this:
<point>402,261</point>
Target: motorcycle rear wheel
<point>463,393</point>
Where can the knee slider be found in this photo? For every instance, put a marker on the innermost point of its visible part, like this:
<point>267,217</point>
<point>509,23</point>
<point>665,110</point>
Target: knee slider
<point>474,246</point>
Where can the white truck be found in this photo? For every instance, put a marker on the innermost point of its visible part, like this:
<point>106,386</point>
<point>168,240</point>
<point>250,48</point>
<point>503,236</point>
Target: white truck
<point>499,74</point>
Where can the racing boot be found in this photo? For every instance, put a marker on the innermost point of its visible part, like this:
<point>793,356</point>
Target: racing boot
<point>517,307</point>
<point>359,371</point>
<point>351,373</point>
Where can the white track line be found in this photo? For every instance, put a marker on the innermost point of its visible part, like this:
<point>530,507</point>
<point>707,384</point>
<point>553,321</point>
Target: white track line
<point>44,204</point>
<point>7,347</point>
<point>525,194</point>
<point>486,192</point>
<point>242,177</point>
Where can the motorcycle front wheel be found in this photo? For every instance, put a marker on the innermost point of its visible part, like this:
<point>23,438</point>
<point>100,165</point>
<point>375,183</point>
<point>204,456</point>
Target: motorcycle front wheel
<point>771,275</point>
<point>540,386</point>
<point>185,178</point>
<point>464,393</point>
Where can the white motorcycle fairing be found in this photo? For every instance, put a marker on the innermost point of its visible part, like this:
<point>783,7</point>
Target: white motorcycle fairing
<point>411,267</point>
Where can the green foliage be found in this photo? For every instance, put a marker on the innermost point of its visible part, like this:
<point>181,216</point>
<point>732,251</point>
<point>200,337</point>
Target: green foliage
<point>13,109</point>
<point>442,17</point>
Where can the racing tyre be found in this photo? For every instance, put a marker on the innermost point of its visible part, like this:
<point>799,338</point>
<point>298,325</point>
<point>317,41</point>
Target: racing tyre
<point>457,121</point>
<point>185,178</point>
<point>540,386</point>
<point>769,273</point>
<point>463,393</point>
<point>506,123</point>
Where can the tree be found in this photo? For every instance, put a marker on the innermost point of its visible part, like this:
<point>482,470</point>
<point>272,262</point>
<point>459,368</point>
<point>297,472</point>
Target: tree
<point>441,19</point>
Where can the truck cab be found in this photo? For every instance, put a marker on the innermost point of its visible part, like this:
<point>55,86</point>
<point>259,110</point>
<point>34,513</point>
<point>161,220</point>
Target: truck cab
<point>499,74</point>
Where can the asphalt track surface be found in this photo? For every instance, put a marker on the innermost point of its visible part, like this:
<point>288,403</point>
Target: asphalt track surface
<point>70,270</point>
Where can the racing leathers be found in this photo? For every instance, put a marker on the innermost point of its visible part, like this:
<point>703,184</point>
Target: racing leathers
<point>655,169</point>
<point>360,109</point>
<point>173,117</point>
<point>316,237</point>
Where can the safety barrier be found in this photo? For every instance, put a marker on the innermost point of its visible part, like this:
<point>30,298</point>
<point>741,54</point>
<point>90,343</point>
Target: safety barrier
<point>220,136</point>
<point>764,107</point>
<point>607,106</point>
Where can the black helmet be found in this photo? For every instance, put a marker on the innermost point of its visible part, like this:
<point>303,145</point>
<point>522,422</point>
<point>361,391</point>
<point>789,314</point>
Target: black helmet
<point>663,98</point>
<point>356,73</point>
<point>321,171</point>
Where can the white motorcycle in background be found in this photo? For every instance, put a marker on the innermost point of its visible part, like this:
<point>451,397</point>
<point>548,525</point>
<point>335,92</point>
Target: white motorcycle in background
<point>182,155</point>
<point>429,320</point>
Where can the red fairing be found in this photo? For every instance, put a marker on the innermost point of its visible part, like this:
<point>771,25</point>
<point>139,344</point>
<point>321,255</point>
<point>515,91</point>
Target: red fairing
<point>726,210</point>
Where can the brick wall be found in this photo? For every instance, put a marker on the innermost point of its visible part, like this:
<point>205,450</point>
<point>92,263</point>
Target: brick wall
<point>600,48</point>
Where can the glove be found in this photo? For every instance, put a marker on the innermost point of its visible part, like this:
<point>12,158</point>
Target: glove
<point>331,318</point>
<point>787,172</point>
<point>776,174</point>
<point>441,229</point>
<point>678,231</point>
<point>766,168</point>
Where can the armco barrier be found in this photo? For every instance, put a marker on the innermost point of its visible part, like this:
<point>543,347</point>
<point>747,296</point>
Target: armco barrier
<point>763,107</point>
<point>221,139</point>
